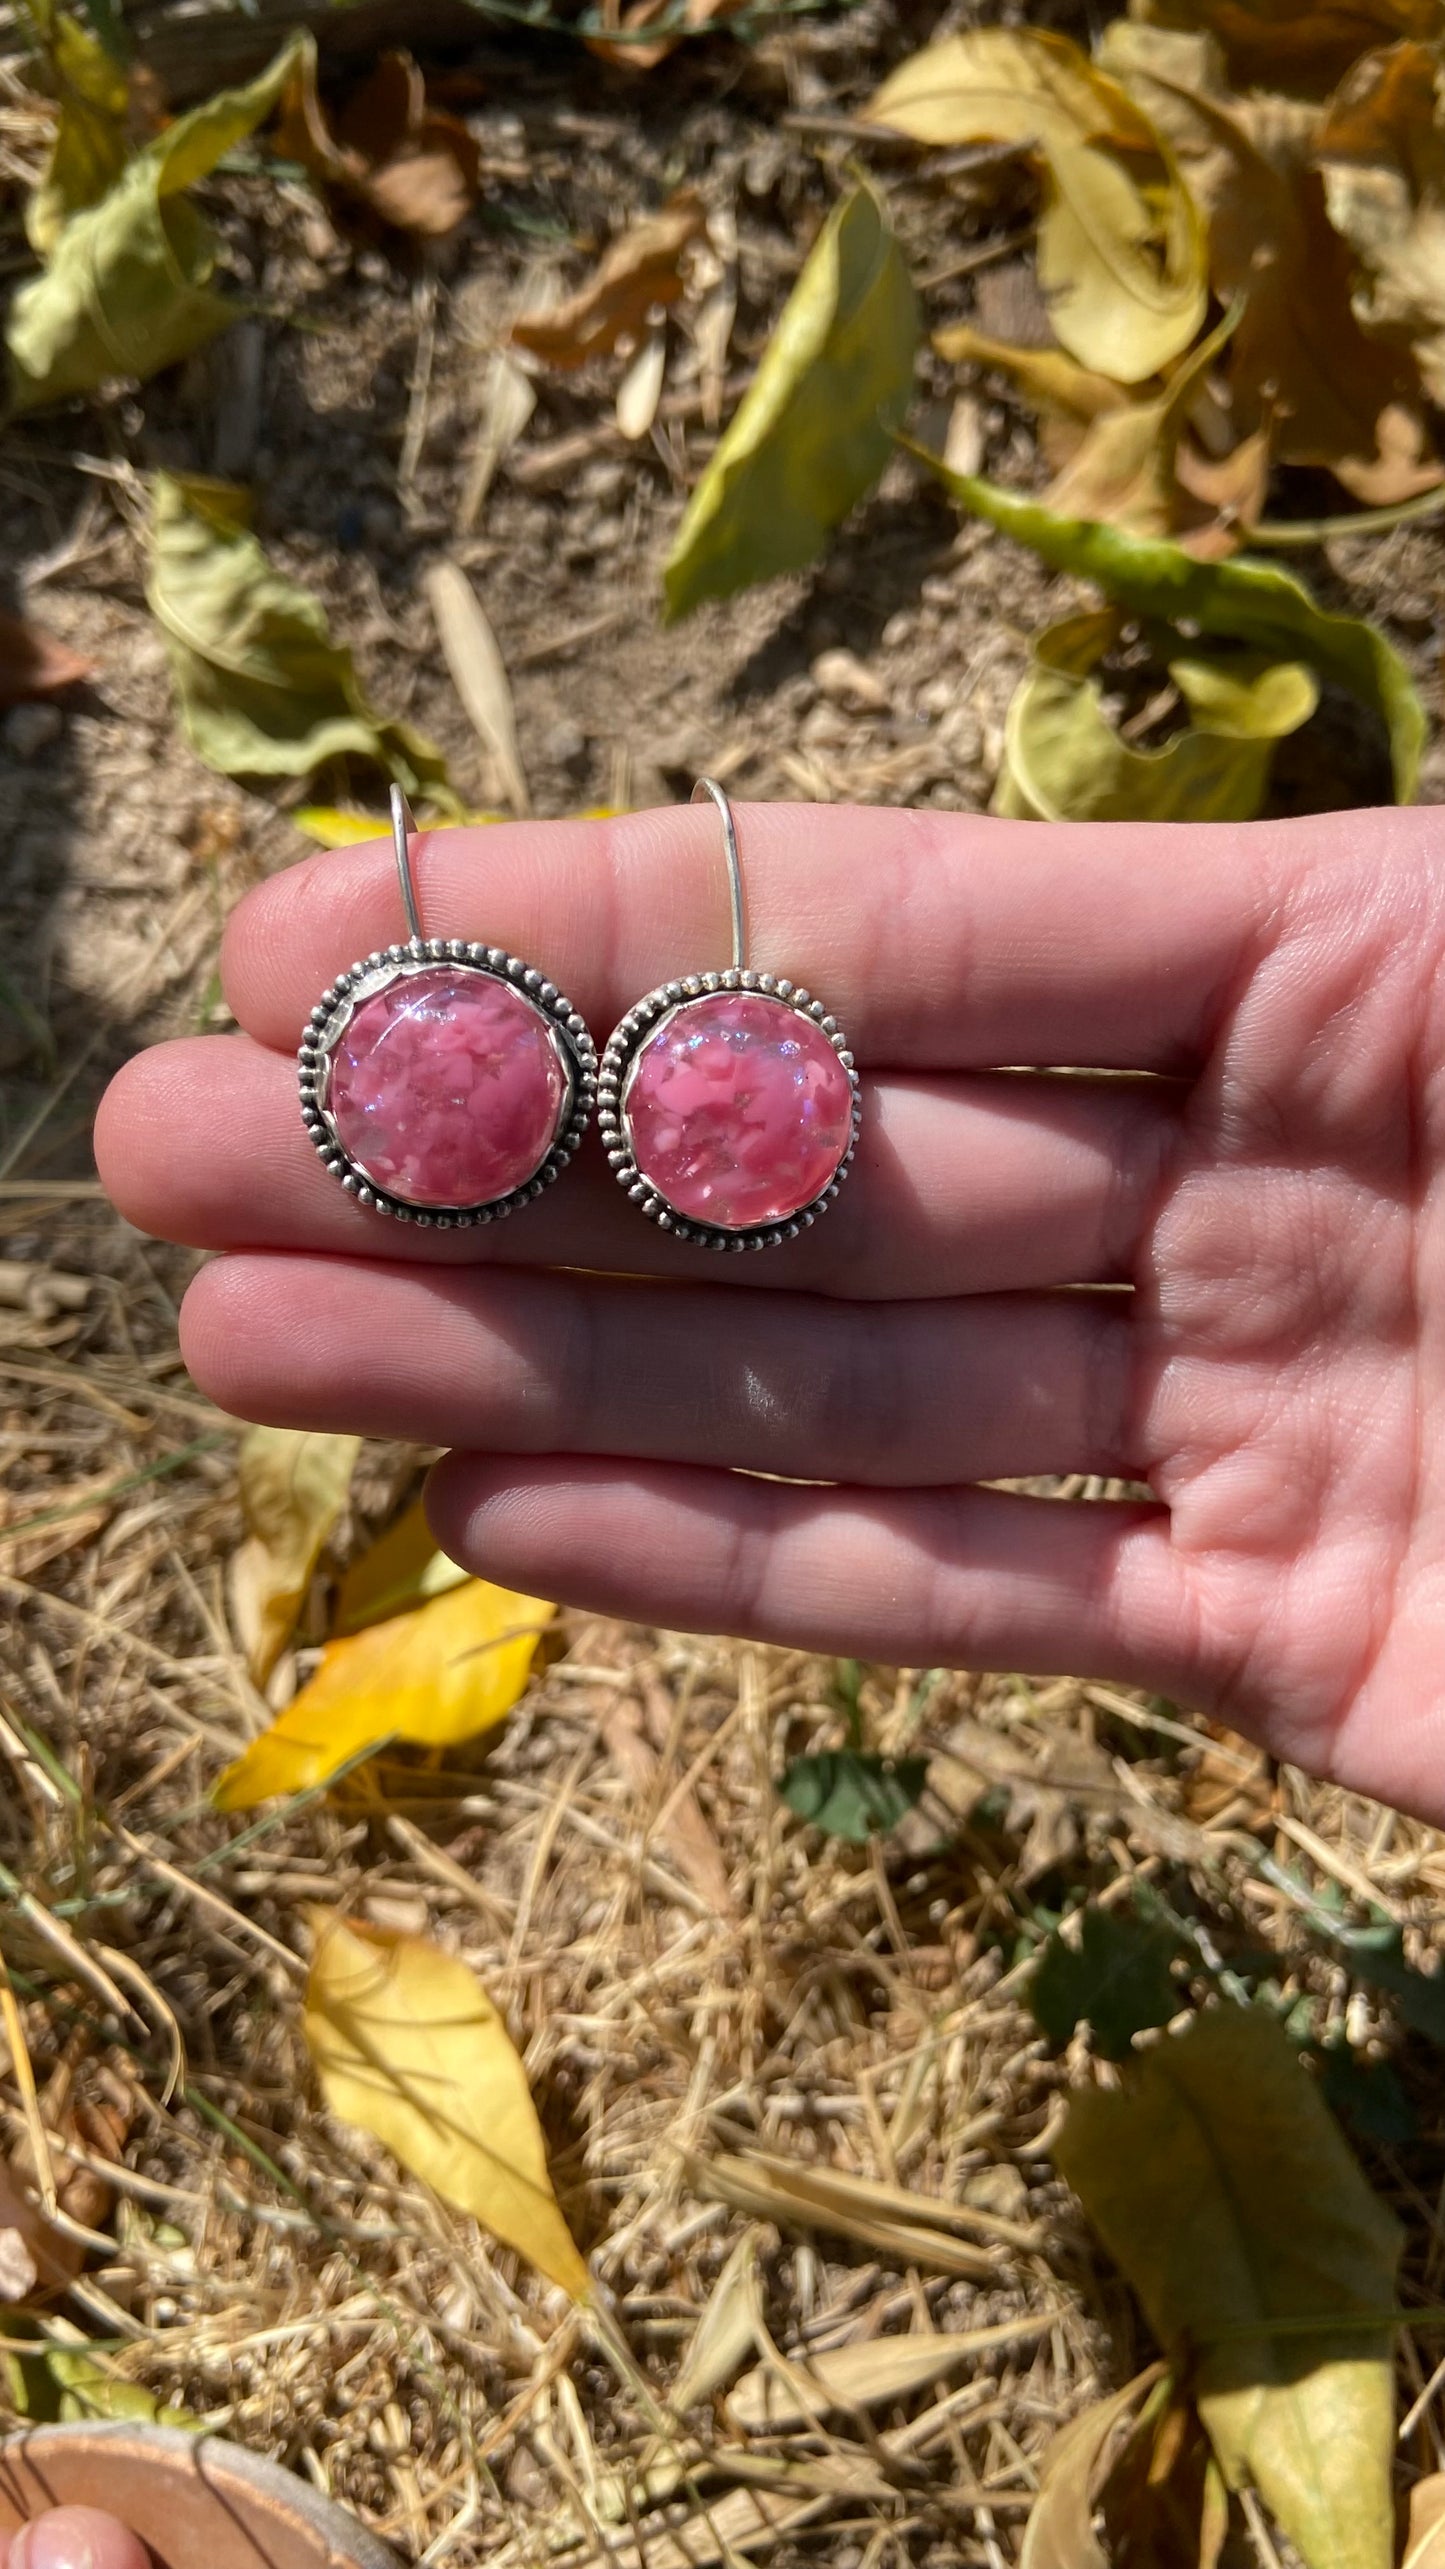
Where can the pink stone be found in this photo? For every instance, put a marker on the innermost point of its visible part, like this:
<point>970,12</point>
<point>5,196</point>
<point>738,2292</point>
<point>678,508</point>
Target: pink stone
<point>739,1110</point>
<point>446,1088</point>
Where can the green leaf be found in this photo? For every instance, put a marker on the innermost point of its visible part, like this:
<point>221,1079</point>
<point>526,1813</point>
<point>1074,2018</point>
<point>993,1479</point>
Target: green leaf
<point>128,289</point>
<point>1220,2182</point>
<point>263,689</point>
<point>1121,250</point>
<point>57,2384</point>
<point>1064,761</point>
<point>1116,1980</point>
<point>1246,602</point>
<point>849,1794</point>
<point>816,426</point>
<point>89,150</point>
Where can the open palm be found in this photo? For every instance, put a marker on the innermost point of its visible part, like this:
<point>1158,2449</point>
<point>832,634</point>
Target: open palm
<point>1268,1184</point>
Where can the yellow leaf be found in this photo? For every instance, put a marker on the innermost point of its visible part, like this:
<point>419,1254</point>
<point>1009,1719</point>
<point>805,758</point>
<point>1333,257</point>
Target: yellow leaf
<point>263,689</point>
<point>1121,252</point>
<point>331,827</point>
<point>90,146</point>
<point>402,1569</point>
<point>1069,395</point>
<point>1299,360</point>
<point>293,1489</point>
<point>407,2044</point>
<point>1060,2530</point>
<point>1381,154</point>
<point>440,1675</point>
<point>128,288</point>
<point>1063,759</point>
<point>1218,2179</point>
<point>815,427</point>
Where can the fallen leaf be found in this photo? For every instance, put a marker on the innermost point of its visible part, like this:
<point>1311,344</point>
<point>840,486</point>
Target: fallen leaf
<point>638,275</point>
<point>128,288</point>
<point>1120,250</point>
<point>293,1488</point>
<point>1300,45</point>
<point>1069,396</point>
<point>329,826</point>
<point>1164,2501</point>
<point>816,425</point>
<point>1331,394</point>
<point>387,151</point>
<point>727,2332</point>
<point>871,2374</point>
<point>479,675</point>
<point>1060,2530</point>
<point>1380,152</point>
<point>262,688</point>
<point>1064,760</point>
<point>402,1569</point>
<point>1221,2185</point>
<point>679,1824</point>
<point>1134,467</point>
<point>1252,604</point>
<point>1115,1978</point>
<point>34,664</point>
<point>913,2229</point>
<point>452,1668</point>
<point>1425,2539</point>
<point>91,143</point>
<point>849,1795</point>
<point>508,402</point>
<point>407,2044</point>
<point>35,2257</point>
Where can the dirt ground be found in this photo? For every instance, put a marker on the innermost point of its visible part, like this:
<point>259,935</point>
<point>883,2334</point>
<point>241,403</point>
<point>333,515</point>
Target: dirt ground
<point>268,2271</point>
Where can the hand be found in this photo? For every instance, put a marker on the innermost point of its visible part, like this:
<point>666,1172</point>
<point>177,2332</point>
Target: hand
<point>73,2538</point>
<point>1274,1193</point>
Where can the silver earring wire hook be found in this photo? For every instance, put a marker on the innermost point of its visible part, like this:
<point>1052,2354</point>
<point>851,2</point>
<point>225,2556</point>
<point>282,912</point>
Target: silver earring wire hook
<point>706,791</point>
<point>403,827</point>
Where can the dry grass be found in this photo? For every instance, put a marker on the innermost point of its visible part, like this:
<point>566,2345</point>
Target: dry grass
<point>692,1976</point>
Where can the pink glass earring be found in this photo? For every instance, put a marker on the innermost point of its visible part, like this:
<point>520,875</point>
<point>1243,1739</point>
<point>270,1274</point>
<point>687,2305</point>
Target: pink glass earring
<point>441,1082</point>
<point>728,1103</point>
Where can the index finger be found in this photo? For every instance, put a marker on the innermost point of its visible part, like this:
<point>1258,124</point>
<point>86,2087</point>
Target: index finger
<point>939,939</point>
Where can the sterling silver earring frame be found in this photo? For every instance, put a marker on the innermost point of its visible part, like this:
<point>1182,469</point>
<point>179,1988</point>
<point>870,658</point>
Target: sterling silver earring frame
<point>566,1032</point>
<point>620,1058</point>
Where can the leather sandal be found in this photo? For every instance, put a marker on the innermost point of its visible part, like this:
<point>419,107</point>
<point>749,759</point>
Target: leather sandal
<point>194,2500</point>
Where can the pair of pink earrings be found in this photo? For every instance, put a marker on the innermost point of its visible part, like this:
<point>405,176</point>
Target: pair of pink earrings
<point>448,1083</point>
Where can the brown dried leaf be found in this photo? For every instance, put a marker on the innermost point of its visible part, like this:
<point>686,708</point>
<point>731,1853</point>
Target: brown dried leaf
<point>34,664</point>
<point>1299,360</point>
<point>639,272</point>
<point>1301,45</point>
<point>1381,155</point>
<point>411,165</point>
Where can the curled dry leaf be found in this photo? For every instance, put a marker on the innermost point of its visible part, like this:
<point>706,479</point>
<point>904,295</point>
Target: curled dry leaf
<point>263,690</point>
<point>443,1673</point>
<point>293,1488</point>
<point>387,152</point>
<point>816,426</point>
<point>1120,252</point>
<point>1380,152</point>
<point>1250,604</point>
<point>408,2045</point>
<point>91,143</point>
<point>638,275</point>
<point>1220,2182</point>
<point>34,664</point>
<point>1064,761</point>
<point>1299,361</point>
<point>128,288</point>
<point>1300,45</point>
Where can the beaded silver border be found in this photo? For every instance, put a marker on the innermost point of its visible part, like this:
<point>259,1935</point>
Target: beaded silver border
<point>332,1014</point>
<point>624,1043</point>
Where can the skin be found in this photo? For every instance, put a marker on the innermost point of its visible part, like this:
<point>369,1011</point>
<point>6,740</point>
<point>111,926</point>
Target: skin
<point>73,2538</point>
<point>1270,1183</point>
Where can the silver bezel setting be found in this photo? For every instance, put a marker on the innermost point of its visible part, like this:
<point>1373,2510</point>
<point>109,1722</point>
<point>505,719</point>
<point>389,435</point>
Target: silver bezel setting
<point>626,1042</point>
<point>375,972</point>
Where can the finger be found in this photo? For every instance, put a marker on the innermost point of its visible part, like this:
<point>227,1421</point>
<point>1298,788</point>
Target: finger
<point>76,2538</point>
<point>939,939</point>
<point>965,1186</point>
<point>992,1388</point>
<point>961,1578</point>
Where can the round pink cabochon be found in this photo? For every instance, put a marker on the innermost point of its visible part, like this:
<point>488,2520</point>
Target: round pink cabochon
<point>739,1110</point>
<point>446,1088</point>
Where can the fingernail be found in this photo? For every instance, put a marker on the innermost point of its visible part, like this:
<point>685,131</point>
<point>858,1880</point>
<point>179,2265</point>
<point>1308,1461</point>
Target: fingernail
<point>59,2540</point>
